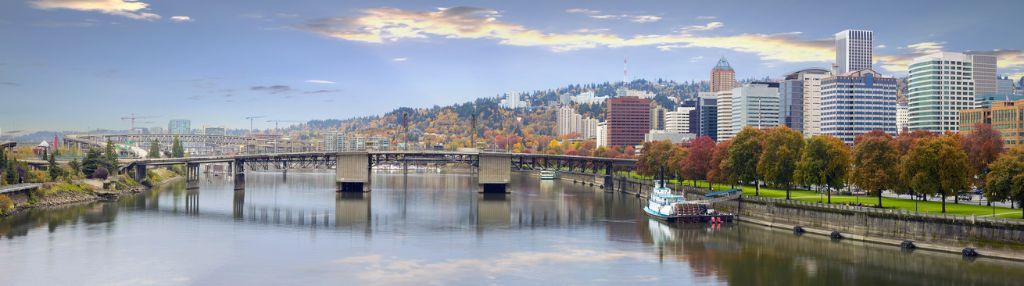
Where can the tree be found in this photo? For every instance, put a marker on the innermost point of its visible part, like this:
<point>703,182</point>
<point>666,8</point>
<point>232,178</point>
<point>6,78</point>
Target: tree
<point>719,172</point>
<point>936,165</point>
<point>76,167</point>
<point>780,153</point>
<point>93,160</point>
<point>1005,180</point>
<point>654,157</point>
<point>824,161</point>
<point>743,156</point>
<point>110,156</point>
<point>875,163</point>
<point>697,163</point>
<point>177,151</point>
<point>54,169</point>
<point>100,173</point>
<point>154,149</point>
<point>983,146</point>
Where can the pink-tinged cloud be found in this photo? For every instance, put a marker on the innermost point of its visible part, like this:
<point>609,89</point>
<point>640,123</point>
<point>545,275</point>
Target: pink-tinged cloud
<point>126,8</point>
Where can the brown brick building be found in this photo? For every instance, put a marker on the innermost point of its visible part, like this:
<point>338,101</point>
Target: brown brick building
<point>1007,117</point>
<point>628,119</point>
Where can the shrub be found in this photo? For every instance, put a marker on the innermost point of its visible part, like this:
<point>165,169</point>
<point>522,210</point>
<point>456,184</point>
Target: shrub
<point>6,205</point>
<point>100,173</point>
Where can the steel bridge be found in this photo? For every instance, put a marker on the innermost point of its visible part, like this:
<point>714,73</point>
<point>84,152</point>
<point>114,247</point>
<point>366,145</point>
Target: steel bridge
<point>200,143</point>
<point>353,168</point>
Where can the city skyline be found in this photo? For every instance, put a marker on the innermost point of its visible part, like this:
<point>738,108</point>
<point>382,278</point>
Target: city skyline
<point>224,62</point>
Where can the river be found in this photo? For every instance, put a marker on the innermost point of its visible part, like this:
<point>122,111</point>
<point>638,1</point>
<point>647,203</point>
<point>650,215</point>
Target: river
<point>433,229</point>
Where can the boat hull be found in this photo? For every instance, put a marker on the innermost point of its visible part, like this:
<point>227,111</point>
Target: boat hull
<point>719,218</point>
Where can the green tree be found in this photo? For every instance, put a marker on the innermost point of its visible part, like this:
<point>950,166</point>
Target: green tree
<point>1005,179</point>
<point>875,163</point>
<point>75,166</point>
<point>743,156</point>
<point>110,156</point>
<point>655,156</point>
<point>92,161</point>
<point>177,151</point>
<point>936,165</point>
<point>154,149</point>
<point>777,164</point>
<point>54,169</point>
<point>824,162</point>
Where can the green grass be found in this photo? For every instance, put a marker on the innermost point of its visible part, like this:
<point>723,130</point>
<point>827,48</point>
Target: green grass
<point>964,208</point>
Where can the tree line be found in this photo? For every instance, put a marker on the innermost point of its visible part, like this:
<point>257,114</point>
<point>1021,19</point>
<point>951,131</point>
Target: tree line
<point>917,163</point>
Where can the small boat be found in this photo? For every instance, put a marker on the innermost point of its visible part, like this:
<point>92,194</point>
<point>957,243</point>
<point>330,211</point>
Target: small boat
<point>548,175</point>
<point>663,204</point>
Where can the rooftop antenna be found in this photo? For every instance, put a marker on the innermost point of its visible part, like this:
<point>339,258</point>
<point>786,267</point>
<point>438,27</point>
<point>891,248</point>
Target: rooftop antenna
<point>625,70</point>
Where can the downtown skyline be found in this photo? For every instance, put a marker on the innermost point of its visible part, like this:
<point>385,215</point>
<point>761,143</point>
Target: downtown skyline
<point>316,60</point>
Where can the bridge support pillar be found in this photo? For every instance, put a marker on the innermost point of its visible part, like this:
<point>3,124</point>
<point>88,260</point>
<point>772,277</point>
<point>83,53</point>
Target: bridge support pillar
<point>494,172</point>
<point>609,177</point>
<point>192,179</point>
<point>353,172</point>
<point>238,169</point>
<point>140,173</point>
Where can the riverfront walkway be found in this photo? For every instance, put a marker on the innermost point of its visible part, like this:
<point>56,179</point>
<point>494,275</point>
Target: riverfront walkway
<point>19,187</point>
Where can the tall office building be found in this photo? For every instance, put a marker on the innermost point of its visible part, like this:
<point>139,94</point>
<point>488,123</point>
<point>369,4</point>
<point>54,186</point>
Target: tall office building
<point>678,121</point>
<point>983,65</point>
<point>724,115</point>
<point>602,134</point>
<point>707,112</point>
<point>179,126</point>
<point>856,103</point>
<point>755,104</point>
<point>801,103</point>
<point>723,77</point>
<point>657,116</point>
<point>628,120</point>
<point>854,50</point>
<point>940,85</point>
<point>217,131</point>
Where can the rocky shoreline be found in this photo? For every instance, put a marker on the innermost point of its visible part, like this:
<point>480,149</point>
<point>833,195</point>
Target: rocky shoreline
<point>68,198</point>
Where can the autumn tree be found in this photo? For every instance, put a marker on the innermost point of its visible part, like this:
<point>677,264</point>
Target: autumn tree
<point>936,165</point>
<point>743,156</point>
<point>824,162</point>
<point>780,153</point>
<point>718,171</point>
<point>1005,179</point>
<point>697,163</point>
<point>983,146</point>
<point>654,157</point>
<point>875,163</point>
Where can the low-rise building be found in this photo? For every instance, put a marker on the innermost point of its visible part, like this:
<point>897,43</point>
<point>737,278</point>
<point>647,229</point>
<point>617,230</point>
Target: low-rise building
<point>1007,117</point>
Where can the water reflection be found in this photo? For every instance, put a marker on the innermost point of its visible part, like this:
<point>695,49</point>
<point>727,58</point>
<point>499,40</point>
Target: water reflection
<point>429,227</point>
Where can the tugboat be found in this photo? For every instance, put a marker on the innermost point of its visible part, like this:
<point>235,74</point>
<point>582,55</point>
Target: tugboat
<point>664,205</point>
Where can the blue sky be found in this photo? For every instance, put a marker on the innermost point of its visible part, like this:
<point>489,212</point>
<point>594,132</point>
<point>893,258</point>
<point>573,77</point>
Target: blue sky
<point>81,64</point>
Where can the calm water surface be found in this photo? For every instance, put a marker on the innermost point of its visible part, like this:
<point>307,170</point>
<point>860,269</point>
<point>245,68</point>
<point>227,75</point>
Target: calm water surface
<point>432,229</point>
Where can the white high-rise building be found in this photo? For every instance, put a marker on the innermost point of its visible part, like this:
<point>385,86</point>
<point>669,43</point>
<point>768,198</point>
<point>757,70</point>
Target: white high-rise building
<point>902,117</point>
<point>570,122</point>
<point>940,85</point>
<point>856,103</point>
<point>513,101</point>
<point>756,105</point>
<point>809,81</point>
<point>678,121</point>
<point>724,116</point>
<point>854,50</point>
<point>602,134</point>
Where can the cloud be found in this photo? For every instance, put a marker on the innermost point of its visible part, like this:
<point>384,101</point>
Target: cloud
<point>880,46</point>
<point>181,19</point>
<point>706,18</point>
<point>126,8</point>
<point>384,25</point>
<point>696,59</point>
<point>321,91</point>
<point>899,63</point>
<point>399,59</point>
<point>1015,76</point>
<point>272,89</point>
<point>392,270</point>
<point>320,81</point>
<point>598,15</point>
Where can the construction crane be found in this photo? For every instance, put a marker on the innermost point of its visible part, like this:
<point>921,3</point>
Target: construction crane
<point>250,118</point>
<point>133,118</point>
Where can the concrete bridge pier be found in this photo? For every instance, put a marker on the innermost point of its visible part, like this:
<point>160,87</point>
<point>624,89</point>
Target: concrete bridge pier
<point>238,172</point>
<point>353,172</point>
<point>494,172</point>
<point>140,173</point>
<point>609,177</point>
<point>192,177</point>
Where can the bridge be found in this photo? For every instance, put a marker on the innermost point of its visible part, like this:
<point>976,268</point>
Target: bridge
<point>194,143</point>
<point>353,169</point>
<point>7,145</point>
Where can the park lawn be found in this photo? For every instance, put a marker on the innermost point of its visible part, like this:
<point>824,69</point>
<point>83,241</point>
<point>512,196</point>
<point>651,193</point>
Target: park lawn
<point>963,209</point>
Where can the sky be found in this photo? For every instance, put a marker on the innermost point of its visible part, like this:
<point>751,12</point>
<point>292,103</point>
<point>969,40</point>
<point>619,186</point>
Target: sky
<point>85,64</point>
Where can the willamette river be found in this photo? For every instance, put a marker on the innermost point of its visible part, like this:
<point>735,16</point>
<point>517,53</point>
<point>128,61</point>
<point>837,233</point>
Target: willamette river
<point>433,229</point>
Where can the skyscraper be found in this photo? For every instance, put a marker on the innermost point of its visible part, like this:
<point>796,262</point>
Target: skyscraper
<point>983,65</point>
<point>940,85</point>
<point>707,110</point>
<point>805,84</point>
<point>628,120</point>
<point>657,116</point>
<point>755,104</point>
<point>724,115</point>
<point>856,103</point>
<point>722,76</point>
<point>854,50</point>
<point>179,126</point>
<point>902,116</point>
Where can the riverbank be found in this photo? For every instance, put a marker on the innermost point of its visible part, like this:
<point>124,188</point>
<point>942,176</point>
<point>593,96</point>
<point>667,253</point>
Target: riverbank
<point>59,194</point>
